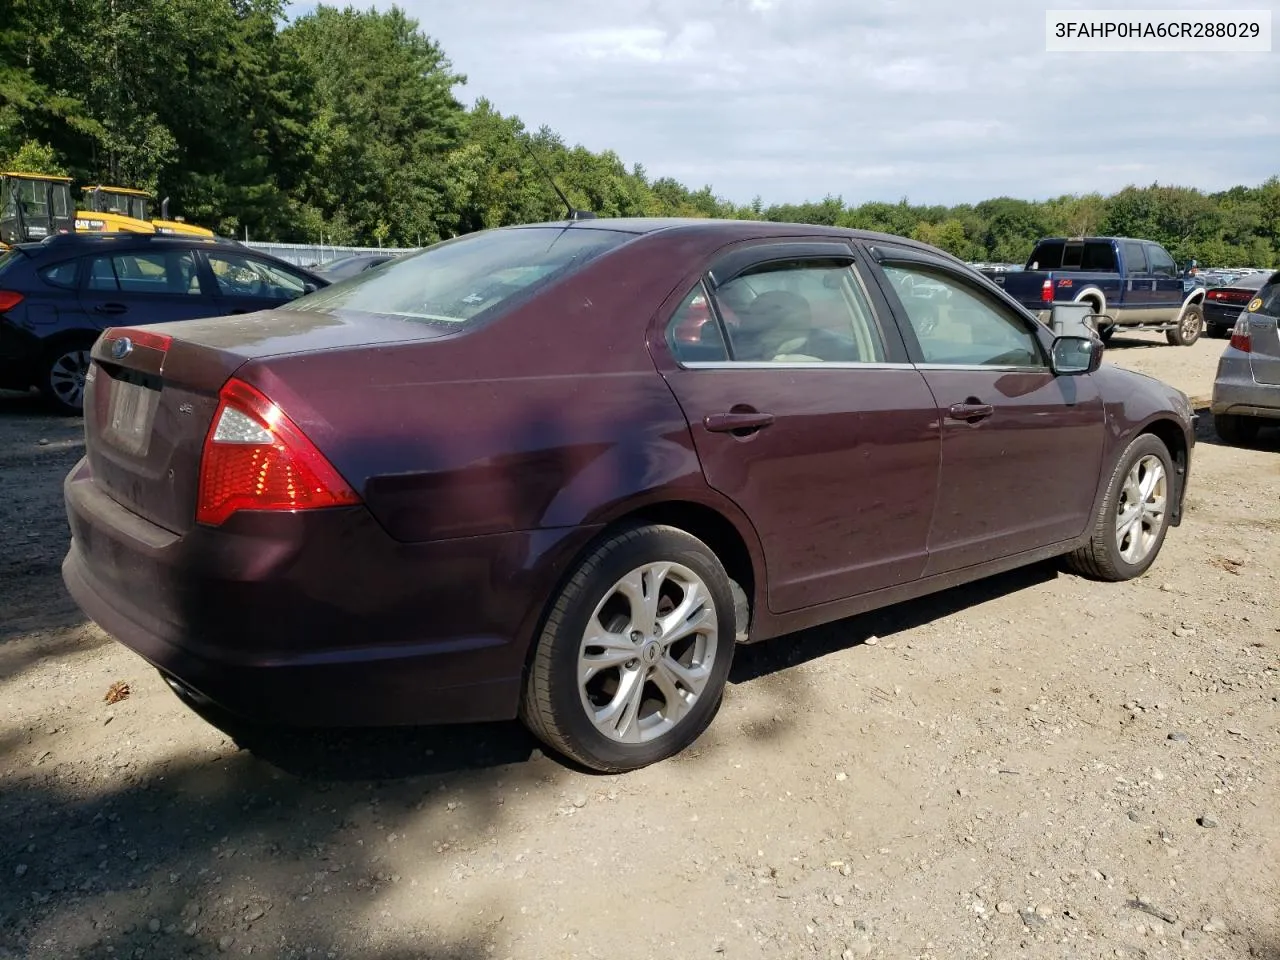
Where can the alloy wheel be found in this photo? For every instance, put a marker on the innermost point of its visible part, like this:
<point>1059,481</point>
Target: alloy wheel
<point>1140,512</point>
<point>647,652</point>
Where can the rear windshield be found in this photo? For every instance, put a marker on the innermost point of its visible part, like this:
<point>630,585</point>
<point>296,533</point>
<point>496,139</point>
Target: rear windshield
<point>1270,296</point>
<point>7,259</point>
<point>467,279</point>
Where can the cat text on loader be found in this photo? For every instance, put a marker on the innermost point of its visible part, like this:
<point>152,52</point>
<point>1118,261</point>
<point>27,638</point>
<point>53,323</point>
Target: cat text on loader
<point>116,209</point>
<point>34,206</point>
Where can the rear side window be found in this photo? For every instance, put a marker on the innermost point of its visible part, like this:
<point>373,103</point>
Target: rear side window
<point>60,275</point>
<point>469,278</point>
<point>1046,256</point>
<point>149,271</point>
<point>1270,297</point>
<point>693,332</point>
<point>1099,257</point>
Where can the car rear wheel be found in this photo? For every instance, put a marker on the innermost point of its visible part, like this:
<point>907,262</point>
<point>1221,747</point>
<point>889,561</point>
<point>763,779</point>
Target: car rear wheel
<point>1131,523</point>
<point>1235,429</point>
<point>1106,332</point>
<point>65,369</point>
<point>632,662</point>
<point>1189,327</point>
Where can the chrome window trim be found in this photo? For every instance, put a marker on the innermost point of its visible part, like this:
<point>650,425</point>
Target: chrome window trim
<point>821,365</point>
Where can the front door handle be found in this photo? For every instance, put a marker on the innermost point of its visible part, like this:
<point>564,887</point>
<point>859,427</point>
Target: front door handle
<point>111,308</point>
<point>737,423</point>
<point>970,411</point>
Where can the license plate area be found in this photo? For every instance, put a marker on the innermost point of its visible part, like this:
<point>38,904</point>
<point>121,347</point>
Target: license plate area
<point>131,410</point>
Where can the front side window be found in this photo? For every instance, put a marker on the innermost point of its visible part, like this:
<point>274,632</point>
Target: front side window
<point>1135,261</point>
<point>956,325</point>
<point>469,278</point>
<point>807,311</point>
<point>150,271</point>
<point>238,275</point>
<point>1162,264</point>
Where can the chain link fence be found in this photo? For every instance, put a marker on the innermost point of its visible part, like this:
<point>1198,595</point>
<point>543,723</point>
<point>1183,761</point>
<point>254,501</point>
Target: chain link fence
<point>310,255</point>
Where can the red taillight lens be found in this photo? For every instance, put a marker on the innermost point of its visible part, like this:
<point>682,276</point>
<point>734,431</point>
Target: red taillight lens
<point>139,338</point>
<point>10,299</point>
<point>256,458</point>
<point>1046,292</point>
<point>1240,338</point>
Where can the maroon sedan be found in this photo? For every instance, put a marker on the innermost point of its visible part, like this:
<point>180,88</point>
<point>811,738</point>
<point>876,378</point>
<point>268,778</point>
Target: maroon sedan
<point>559,471</point>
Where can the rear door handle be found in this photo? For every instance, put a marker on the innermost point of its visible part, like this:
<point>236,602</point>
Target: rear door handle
<point>737,422</point>
<point>970,412</point>
<point>111,308</point>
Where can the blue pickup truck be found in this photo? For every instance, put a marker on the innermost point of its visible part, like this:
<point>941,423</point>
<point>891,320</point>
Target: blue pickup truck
<point>1131,285</point>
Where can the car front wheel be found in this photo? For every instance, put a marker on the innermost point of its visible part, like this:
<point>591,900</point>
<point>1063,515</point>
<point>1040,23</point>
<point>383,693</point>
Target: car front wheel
<point>1131,522</point>
<point>631,665</point>
<point>1189,327</point>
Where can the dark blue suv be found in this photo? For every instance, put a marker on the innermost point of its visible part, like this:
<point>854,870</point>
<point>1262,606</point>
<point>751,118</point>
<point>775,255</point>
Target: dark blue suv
<point>56,296</point>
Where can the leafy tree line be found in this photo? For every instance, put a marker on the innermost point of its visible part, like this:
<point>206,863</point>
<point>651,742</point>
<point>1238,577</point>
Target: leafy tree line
<point>344,125</point>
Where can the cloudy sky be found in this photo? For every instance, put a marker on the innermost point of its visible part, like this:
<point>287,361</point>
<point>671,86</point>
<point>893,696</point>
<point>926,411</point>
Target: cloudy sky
<point>942,101</point>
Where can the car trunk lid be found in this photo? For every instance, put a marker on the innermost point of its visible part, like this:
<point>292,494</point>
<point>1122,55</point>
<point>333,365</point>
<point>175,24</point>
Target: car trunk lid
<point>152,392</point>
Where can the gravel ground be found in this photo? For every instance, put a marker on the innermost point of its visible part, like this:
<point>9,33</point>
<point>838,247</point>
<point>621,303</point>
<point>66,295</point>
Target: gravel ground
<point>1033,766</point>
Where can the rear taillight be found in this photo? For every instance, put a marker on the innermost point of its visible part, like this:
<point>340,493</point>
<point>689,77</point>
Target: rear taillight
<point>139,338</point>
<point>10,299</point>
<point>1230,296</point>
<point>1240,338</point>
<point>1046,291</point>
<point>256,458</point>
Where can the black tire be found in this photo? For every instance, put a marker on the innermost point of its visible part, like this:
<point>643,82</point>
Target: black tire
<point>1101,558</point>
<point>1189,327</point>
<point>1106,332</point>
<point>62,371</point>
<point>1235,429</point>
<point>1216,331</point>
<point>552,706</point>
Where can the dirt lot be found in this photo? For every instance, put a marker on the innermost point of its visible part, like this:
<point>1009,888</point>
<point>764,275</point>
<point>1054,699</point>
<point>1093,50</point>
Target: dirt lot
<point>1035,766</point>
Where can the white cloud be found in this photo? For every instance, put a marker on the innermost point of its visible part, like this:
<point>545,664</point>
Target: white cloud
<point>938,100</point>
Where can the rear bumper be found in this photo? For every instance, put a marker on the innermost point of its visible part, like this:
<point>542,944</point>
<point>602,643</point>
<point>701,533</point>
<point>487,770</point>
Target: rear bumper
<point>317,619</point>
<point>1220,316</point>
<point>1235,391</point>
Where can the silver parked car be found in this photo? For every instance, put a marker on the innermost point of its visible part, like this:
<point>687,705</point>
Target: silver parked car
<point>1246,391</point>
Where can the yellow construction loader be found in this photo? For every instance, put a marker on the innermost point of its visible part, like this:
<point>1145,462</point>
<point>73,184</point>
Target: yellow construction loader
<point>34,206</point>
<point>116,209</point>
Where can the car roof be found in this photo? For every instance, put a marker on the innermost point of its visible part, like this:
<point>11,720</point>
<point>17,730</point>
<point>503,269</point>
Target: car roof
<point>732,230</point>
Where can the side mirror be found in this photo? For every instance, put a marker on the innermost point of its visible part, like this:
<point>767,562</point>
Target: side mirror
<point>309,287</point>
<point>1073,356</point>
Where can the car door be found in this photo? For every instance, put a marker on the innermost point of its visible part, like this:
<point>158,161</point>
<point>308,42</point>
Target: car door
<point>805,413</point>
<point>1021,447</point>
<point>245,283</point>
<point>1139,285</point>
<point>1166,293</point>
<point>146,285</point>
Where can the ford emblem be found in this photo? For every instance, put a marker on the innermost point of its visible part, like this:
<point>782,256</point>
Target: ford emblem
<point>121,348</point>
